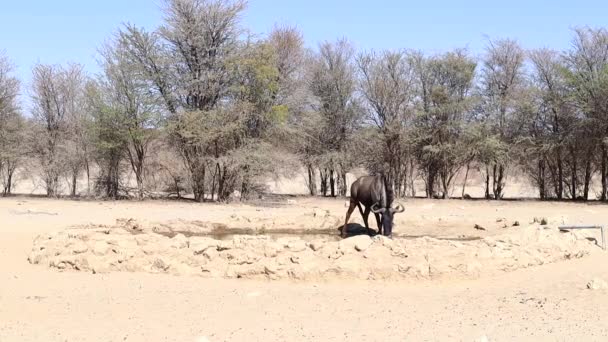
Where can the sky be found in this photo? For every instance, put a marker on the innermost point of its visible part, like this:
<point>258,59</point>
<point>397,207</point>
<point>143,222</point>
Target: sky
<point>61,31</point>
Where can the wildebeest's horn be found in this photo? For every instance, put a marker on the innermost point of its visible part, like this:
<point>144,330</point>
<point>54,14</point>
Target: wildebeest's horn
<point>377,210</point>
<point>399,208</point>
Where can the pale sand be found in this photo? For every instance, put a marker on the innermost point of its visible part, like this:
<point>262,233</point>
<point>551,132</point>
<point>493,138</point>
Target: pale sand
<point>548,302</point>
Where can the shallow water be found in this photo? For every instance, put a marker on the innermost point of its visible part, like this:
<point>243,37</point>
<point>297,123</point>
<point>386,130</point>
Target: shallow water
<point>304,234</point>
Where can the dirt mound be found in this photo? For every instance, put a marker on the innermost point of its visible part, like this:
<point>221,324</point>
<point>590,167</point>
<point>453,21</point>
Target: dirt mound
<point>133,248</point>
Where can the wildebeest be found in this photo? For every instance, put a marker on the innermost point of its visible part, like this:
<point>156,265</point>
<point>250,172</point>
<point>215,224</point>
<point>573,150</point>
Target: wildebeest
<point>376,196</point>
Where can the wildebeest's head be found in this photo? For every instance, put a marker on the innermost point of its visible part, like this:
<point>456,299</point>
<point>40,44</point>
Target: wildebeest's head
<point>387,217</point>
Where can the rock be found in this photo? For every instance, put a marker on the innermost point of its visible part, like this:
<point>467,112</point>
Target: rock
<point>160,265</point>
<point>239,257</point>
<point>129,224</point>
<point>78,247</point>
<point>358,243</point>
<point>210,253</point>
<point>225,245</point>
<point>363,244</point>
<point>398,251</point>
<point>151,249</point>
<point>248,271</point>
<point>297,246</point>
<point>295,259</point>
<point>516,224</point>
<point>272,249</point>
<point>597,284</point>
<point>540,220</point>
<point>199,245</point>
<point>383,241</point>
<point>179,241</point>
<point>316,245</point>
<point>478,227</point>
<point>100,248</point>
<point>270,268</point>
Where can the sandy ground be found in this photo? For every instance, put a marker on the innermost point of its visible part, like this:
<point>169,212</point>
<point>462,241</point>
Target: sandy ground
<point>549,302</point>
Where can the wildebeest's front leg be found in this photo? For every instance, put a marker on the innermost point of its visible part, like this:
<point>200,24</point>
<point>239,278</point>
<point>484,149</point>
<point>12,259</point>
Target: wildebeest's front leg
<point>379,221</point>
<point>352,206</point>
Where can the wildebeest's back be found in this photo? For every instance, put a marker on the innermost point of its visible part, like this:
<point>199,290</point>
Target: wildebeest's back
<point>369,190</point>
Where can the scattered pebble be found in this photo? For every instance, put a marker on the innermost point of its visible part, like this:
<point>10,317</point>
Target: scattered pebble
<point>597,284</point>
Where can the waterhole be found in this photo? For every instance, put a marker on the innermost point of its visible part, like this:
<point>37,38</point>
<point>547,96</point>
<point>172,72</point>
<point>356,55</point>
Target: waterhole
<point>225,233</point>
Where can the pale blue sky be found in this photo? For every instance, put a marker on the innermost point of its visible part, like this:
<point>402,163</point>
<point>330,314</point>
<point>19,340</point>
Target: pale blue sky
<point>71,30</point>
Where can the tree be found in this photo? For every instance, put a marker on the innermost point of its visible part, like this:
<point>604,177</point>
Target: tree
<point>587,79</point>
<point>294,66</point>
<point>57,93</point>
<point>12,126</point>
<point>109,143</point>
<point>445,82</point>
<point>333,83</point>
<point>502,77</point>
<point>137,111</point>
<point>549,127</point>
<point>188,62</point>
<point>387,86</point>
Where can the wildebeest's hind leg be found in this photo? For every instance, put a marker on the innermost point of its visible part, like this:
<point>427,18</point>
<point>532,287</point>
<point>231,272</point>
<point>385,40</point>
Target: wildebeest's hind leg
<point>365,217</point>
<point>379,223</point>
<point>351,208</point>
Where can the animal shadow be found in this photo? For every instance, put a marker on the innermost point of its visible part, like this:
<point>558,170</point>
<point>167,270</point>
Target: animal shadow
<point>355,229</point>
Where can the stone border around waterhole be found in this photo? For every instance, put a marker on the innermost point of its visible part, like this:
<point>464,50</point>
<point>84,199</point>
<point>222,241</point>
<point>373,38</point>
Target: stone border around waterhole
<point>263,257</point>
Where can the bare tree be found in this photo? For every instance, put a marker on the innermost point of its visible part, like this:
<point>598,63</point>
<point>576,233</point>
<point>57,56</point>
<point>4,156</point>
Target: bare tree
<point>587,75</point>
<point>387,85</point>
<point>333,83</point>
<point>11,126</point>
<point>502,76</point>
<point>56,99</point>
<point>188,61</point>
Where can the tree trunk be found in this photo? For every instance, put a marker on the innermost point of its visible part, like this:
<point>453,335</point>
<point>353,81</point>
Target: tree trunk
<point>87,167</point>
<point>245,184</point>
<point>603,168</point>
<point>332,183</point>
<point>213,181</point>
<point>199,184</point>
<point>560,175</point>
<point>430,183</point>
<point>312,182</point>
<point>445,183</point>
<point>487,182</point>
<point>221,184</point>
<point>74,180</point>
<point>9,182</point>
<point>466,177</point>
<point>574,173</point>
<point>587,179</point>
<point>324,182</point>
<point>497,179</point>
<point>541,179</point>
<point>411,178</point>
